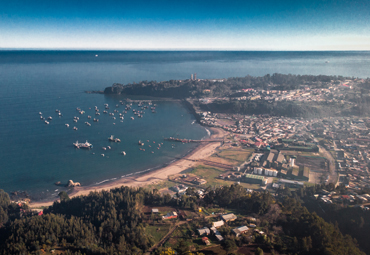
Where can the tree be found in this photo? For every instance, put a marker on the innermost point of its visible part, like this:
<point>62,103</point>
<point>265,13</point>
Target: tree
<point>230,245</point>
<point>63,196</point>
<point>258,251</point>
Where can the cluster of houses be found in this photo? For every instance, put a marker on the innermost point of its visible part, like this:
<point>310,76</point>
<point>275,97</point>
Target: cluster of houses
<point>349,140</point>
<point>331,92</point>
<point>348,198</point>
<point>205,231</point>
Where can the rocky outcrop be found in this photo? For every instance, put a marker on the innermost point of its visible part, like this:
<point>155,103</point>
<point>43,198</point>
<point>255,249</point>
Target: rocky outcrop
<point>73,184</point>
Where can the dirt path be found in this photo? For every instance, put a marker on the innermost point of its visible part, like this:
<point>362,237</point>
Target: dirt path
<point>333,176</point>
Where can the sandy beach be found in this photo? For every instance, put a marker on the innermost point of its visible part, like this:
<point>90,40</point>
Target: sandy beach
<point>204,150</point>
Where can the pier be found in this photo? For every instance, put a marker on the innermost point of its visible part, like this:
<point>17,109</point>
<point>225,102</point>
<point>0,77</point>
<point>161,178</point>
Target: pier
<point>184,140</point>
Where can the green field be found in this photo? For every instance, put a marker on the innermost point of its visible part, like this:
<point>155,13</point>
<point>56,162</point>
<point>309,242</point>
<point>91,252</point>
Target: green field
<point>210,174</point>
<point>157,232</point>
<point>236,155</point>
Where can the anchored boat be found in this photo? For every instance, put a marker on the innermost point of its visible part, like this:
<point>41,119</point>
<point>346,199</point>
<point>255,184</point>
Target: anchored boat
<point>112,139</point>
<point>85,145</point>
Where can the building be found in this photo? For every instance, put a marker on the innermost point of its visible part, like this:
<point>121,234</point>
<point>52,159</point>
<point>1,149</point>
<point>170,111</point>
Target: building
<point>168,216</point>
<point>204,231</point>
<point>240,230</point>
<point>293,184</point>
<point>217,234</point>
<point>200,181</point>
<point>251,178</point>
<point>228,217</point>
<point>180,188</point>
<point>218,224</point>
<point>154,210</point>
<point>206,241</point>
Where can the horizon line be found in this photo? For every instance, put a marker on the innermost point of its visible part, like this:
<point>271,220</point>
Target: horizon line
<point>163,50</point>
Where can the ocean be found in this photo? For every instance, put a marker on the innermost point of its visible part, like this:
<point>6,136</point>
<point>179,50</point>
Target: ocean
<point>33,155</point>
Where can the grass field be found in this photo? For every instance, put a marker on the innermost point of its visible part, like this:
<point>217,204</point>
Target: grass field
<point>210,174</point>
<point>157,232</point>
<point>239,155</point>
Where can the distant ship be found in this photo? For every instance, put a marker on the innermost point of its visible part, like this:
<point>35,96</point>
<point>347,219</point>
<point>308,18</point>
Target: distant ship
<point>85,145</point>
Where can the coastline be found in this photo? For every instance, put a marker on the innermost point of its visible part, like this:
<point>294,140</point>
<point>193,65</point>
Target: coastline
<point>191,159</point>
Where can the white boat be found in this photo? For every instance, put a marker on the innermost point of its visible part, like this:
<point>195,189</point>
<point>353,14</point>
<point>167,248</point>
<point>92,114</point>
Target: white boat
<point>112,139</point>
<point>40,113</point>
<point>102,154</point>
<point>41,117</point>
<point>109,148</point>
<point>46,122</point>
<point>132,118</point>
<point>74,128</point>
<point>50,118</point>
<point>104,148</point>
<point>123,153</point>
<point>67,125</point>
<point>85,145</point>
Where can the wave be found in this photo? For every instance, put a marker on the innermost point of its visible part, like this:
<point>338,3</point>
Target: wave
<point>208,132</point>
<point>107,180</point>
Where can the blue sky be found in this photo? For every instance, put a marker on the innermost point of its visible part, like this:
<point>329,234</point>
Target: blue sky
<point>185,25</point>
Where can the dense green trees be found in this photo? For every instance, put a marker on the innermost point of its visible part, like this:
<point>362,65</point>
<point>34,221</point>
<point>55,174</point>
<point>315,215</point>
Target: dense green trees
<point>113,223</point>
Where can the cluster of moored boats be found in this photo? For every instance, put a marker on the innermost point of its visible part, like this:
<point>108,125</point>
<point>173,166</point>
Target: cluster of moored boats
<point>86,145</point>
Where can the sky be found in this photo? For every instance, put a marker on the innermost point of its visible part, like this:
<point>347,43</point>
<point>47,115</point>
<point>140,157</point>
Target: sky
<point>185,25</point>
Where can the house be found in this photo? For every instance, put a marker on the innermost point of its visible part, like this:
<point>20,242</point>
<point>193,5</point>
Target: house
<point>200,181</point>
<point>228,217</point>
<point>240,230</point>
<point>180,188</point>
<point>206,241</point>
<point>204,231</point>
<point>154,210</point>
<point>218,224</point>
<point>168,216</point>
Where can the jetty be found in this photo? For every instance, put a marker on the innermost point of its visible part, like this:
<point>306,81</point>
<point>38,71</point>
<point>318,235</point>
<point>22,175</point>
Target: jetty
<point>184,140</point>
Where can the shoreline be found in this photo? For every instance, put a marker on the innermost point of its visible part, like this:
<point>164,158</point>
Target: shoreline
<point>202,151</point>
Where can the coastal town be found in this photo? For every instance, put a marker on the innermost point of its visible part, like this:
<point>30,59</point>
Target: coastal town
<point>259,160</point>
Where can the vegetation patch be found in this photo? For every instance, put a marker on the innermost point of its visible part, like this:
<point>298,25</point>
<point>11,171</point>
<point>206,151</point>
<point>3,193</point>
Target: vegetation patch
<point>157,231</point>
<point>236,155</point>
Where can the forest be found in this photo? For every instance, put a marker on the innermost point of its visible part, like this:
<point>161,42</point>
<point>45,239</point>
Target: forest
<point>114,223</point>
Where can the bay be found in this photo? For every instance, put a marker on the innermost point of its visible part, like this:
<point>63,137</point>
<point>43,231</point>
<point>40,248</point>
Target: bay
<point>34,155</point>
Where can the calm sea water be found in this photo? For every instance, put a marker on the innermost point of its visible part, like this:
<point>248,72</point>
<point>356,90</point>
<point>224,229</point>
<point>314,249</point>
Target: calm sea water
<point>34,155</point>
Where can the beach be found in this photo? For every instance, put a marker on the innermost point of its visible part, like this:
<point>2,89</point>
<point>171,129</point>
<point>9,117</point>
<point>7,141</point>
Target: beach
<point>203,151</point>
